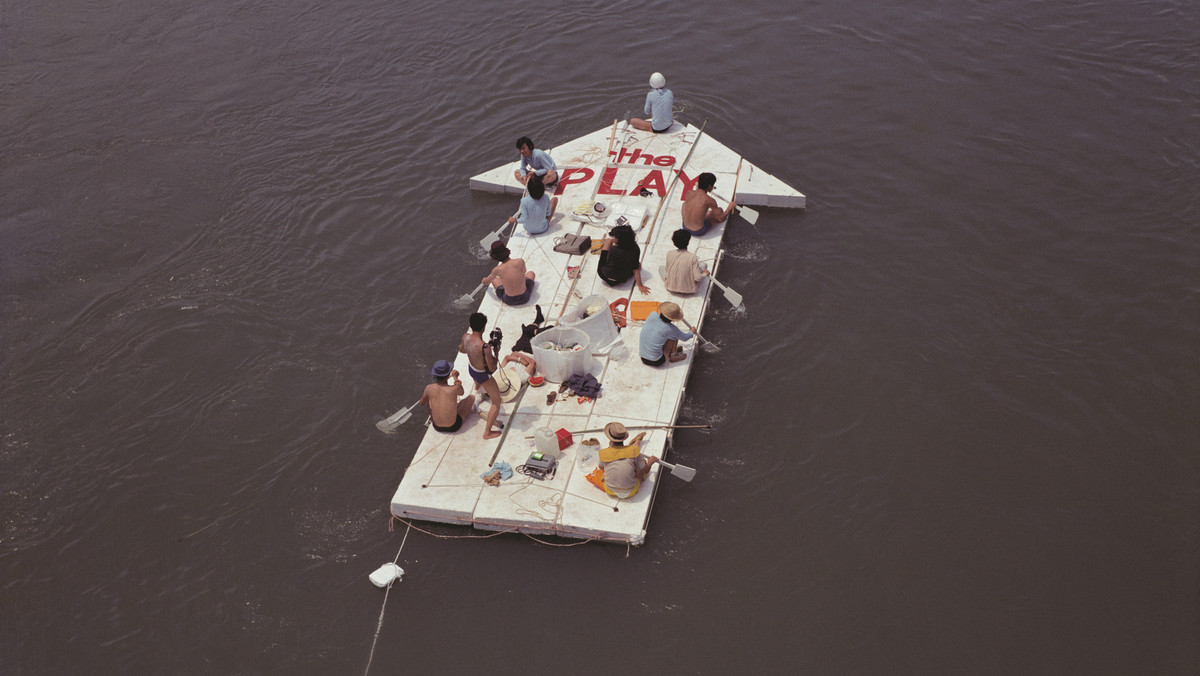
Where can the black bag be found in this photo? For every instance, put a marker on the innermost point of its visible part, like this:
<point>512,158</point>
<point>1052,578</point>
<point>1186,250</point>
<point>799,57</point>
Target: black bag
<point>572,244</point>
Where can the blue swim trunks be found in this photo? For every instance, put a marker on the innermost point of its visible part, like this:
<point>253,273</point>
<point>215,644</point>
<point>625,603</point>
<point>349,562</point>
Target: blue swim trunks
<point>516,300</point>
<point>703,229</point>
<point>480,377</point>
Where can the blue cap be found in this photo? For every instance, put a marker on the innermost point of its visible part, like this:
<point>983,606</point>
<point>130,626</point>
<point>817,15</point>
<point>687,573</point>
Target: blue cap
<point>441,369</point>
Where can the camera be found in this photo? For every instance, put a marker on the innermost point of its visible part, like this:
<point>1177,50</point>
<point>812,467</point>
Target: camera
<point>494,339</point>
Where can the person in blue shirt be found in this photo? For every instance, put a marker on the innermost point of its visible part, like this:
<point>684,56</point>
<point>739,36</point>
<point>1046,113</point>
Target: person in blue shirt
<point>658,106</point>
<point>534,161</point>
<point>660,338</point>
<point>536,207</point>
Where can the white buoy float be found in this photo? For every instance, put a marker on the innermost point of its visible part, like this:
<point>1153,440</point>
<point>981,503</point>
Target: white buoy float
<point>386,574</point>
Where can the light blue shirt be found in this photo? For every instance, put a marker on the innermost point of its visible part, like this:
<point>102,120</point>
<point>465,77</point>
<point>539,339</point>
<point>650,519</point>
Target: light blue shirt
<point>540,161</point>
<point>658,106</point>
<point>655,334</point>
<point>533,214</point>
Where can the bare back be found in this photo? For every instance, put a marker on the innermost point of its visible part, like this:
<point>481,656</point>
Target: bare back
<point>696,207</point>
<point>472,345</point>
<point>512,276</point>
<point>443,402</point>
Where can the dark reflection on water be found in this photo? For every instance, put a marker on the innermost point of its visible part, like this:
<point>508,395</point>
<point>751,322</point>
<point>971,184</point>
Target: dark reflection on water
<point>956,426</point>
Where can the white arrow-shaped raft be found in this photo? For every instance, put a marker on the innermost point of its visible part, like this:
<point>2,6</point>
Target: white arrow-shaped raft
<point>443,483</point>
<point>636,156</point>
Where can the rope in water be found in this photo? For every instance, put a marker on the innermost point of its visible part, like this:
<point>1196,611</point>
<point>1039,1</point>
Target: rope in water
<point>379,626</point>
<point>451,537</point>
<point>593,538</point>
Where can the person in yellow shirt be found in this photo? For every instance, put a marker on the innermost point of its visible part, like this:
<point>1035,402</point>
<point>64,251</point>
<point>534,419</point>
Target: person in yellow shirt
<point>624,465</point>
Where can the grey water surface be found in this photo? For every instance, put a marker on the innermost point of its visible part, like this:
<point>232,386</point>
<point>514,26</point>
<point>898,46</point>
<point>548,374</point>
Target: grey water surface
<point>957,426</point>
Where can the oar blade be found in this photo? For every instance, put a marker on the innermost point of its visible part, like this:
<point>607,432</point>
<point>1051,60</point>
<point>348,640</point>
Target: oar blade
<point>749,214</point>
<point>394,421</point>
<point>685,473</point>
<point>468,299</point>
<point>734,298</point>
<point>486,242</point>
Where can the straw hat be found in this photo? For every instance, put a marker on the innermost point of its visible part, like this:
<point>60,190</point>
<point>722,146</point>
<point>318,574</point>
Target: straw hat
<point>658,81</point>
<point>615,432</point>
<point>670,310</point>
<point>509,382</point>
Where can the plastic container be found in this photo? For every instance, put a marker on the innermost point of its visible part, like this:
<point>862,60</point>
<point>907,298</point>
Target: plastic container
<point>386,574</point>
<point>546,442</point>
<point>593,317</point>
<point>619,352</point>
<point>561,352</point>
<point>586,456</point>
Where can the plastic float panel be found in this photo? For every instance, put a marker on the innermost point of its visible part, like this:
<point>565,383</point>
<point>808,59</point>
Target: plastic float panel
<point>442,481</point>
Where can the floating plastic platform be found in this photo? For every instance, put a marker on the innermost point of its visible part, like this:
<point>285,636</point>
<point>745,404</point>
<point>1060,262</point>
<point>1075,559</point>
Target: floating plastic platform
<point>443,481</point>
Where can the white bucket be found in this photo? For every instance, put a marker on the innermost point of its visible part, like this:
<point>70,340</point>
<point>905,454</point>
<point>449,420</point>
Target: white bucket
<point>598,324</point>
<point>567,353</point>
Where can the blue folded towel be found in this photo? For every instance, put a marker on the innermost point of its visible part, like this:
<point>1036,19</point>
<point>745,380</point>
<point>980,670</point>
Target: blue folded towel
<point>506,470</point>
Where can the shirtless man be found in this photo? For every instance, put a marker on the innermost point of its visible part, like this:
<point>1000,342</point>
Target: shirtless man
<point>481,358</point>
<point>513,283</point>
<point>445,408</point>
<point>535,161</point>
<point>700,211</point>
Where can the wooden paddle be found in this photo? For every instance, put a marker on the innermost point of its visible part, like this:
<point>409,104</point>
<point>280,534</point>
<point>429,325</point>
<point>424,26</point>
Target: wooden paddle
<point>612,136</point>
<point>516,403</point>
<point>674,178</point>
<point>646,427</point>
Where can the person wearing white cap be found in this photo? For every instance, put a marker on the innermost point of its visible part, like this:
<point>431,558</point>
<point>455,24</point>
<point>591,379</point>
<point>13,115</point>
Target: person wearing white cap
<point>658,106</point>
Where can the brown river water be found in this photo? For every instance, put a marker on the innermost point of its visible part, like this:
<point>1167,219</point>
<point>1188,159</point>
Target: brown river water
<point>957,427</point>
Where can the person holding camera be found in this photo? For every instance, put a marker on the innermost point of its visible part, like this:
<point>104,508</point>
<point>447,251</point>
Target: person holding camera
<point>513,283</point>
<point>481,363</point>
